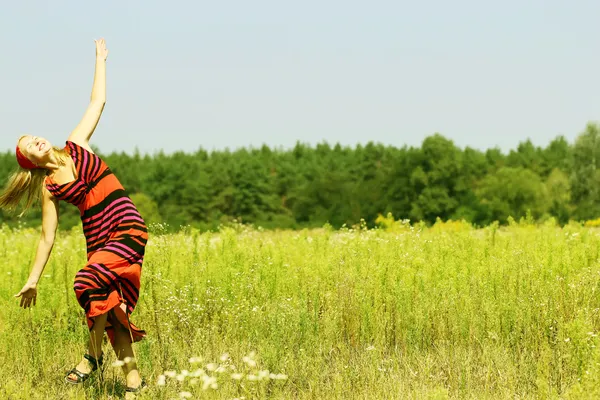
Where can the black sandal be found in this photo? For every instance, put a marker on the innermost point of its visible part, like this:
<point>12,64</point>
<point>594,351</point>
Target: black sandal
<point>81,377</point>
<point>137,389</point>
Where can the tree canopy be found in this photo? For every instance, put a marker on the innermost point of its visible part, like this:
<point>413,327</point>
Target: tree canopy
<point>309,186</point>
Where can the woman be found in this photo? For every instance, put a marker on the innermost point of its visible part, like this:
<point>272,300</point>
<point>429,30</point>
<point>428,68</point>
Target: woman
<point>107,288</point>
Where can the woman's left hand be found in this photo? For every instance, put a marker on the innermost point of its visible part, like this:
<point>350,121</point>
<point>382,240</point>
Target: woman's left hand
<point>101,51</point>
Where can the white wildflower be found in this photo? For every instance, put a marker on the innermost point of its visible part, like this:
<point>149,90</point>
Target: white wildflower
<point>171,374</point>
<point>262,375</point>
<point>211,367</point>
<point>249,361</point>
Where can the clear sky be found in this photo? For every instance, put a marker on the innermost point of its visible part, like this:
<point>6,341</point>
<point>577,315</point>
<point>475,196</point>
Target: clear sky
<point>214,74</point>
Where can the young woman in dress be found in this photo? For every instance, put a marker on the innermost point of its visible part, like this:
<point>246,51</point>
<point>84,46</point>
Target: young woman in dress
<point>107,287</point>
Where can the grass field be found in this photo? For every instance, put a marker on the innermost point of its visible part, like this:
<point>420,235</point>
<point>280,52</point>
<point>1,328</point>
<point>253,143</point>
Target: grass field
<point>423,313</point>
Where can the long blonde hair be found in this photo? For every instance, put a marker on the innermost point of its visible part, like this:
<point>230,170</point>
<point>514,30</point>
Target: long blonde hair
<point>27,184</point>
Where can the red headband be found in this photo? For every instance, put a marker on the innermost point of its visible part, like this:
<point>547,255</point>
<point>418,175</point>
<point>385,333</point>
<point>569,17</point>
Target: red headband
<point>24,161</point>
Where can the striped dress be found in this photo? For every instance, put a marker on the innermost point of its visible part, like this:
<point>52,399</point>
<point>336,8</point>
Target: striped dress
<point>116,237</point>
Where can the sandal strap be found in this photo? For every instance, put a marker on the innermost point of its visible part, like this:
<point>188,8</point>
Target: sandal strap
<point>95,363</point>
<point>137,389</point>
<point>81,377</point>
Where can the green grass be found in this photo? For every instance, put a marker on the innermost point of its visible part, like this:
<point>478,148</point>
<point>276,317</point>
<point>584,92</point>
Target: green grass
<point>423,313</point>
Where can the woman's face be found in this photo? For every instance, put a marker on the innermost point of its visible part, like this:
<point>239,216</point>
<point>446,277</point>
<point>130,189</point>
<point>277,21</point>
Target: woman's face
<point>35,148</point>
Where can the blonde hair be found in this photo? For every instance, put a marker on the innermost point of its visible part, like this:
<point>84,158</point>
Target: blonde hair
<point>27,184</point>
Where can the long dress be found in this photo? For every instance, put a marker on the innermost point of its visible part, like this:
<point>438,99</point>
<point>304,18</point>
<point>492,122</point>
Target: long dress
<point>116,237</point>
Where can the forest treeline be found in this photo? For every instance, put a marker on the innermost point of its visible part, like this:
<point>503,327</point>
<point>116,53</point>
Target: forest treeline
<point>309,186</point>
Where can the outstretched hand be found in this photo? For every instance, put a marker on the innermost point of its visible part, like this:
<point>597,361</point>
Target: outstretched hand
<point>101,51</point>
<point>28,295</point>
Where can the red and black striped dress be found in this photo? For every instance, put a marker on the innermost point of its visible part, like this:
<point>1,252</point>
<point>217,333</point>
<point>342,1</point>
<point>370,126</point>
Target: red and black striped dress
<point>116,237</point>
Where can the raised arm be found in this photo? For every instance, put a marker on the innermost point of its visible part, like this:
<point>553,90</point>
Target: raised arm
<point>84,130</point>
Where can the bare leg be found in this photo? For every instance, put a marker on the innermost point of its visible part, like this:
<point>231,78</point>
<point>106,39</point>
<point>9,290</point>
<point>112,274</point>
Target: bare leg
<point>123,349</point>
<point>95,345</point>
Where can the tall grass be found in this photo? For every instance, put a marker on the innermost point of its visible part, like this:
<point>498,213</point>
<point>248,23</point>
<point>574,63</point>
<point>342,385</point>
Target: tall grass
<point>441,312</point>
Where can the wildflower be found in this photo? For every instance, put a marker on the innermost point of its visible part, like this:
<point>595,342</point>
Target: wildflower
<point>195,360</point>
<point>249,361</point>
<point>224,357</point>
<point>371,348</point>
<point>262,375</point>
<point>209,382</point>
<point>237,376</point>
<point>118,363</point>
<point>211,367</point>
<point>162,380</point>
<point>185,395</point>
<point>170,374</point>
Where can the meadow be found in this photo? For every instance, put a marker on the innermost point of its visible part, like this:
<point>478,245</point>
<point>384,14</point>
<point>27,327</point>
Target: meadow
<point>414,312</point>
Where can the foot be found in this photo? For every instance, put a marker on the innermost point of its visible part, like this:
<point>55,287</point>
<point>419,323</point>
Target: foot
<point>82,371</point>
<point>133,390</point>
<point>134,380</point>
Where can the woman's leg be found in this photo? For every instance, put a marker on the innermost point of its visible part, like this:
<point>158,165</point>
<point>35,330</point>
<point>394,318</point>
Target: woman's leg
<point>94,346</point>
<point>123,349</point>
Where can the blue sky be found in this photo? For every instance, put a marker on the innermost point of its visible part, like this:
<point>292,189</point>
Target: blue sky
<point>189,74</point>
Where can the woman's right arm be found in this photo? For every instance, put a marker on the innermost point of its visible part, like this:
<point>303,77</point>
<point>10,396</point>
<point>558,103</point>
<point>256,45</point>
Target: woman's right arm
<point>49,227</point>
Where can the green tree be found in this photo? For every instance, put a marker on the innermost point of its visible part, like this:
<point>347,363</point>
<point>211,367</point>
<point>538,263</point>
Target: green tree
<point>512,192</point>
<point>147,208</point>
<point>585,178</point>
